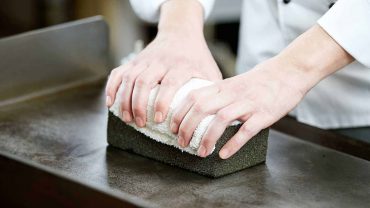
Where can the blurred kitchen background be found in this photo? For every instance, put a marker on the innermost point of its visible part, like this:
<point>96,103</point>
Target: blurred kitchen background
<point>18,16</point>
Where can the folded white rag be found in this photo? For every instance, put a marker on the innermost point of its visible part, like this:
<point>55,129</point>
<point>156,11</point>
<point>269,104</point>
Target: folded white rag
<point>161,132</point>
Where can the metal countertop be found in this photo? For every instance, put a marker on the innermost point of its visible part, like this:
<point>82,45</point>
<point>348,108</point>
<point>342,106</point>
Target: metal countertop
<point>66,132</point>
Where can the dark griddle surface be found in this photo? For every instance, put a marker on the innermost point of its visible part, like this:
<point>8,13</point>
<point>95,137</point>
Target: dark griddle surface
<point>67,132</point>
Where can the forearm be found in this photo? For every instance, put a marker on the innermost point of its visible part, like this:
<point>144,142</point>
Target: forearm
<point>313,56</point>
<point>181,17</point>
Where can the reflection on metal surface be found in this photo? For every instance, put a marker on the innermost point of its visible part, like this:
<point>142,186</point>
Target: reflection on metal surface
<point>52,59</point>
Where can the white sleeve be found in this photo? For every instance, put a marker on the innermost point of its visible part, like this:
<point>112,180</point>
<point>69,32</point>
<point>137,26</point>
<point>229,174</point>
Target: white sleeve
<point>148,10</point>
<point>348,23</point>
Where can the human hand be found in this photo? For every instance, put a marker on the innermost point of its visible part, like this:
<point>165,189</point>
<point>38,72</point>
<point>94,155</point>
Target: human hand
<point>175,56</point>
<point>261,96</point>
<point>258,98</point>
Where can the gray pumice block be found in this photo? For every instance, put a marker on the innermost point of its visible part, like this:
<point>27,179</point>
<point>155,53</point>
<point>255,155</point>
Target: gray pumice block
<point>127,138</point>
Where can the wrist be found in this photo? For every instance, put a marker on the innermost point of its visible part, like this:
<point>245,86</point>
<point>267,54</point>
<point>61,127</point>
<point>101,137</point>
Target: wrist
<point>291,73</point>
<point>181,18</point>
<point>313,56</point>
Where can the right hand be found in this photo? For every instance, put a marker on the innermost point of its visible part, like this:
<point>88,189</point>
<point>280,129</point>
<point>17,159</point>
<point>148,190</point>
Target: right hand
<point>171,59</point>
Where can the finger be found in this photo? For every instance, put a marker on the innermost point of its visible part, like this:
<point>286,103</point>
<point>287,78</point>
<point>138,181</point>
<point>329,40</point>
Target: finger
<point>128,79</point>
<point>222,120</point>
<point>144,83</point>
<point>114,82</point>
<point>206,106</point>
<point>185,106</point>
<point>169,85</point>
<point>249,129</point>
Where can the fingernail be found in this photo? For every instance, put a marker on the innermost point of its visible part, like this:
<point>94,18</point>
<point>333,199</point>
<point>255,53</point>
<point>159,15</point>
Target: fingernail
<point>202,151</point>
<point>108,101</point>
<point>181,142</point>
<point>158,116</point>
<point>174,128</point>
<point>126,116</point>
<point>224,153</point>
<point>139,122</point>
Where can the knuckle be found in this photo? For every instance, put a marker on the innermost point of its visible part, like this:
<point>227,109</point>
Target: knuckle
<point>141,81</point>
<point>247,131</point>
<point>184,133</point>
<point>192,96</point>
<point>207,142</point>
<point>222,116</point>
<point>176,119</point>
<point>160,105</point>
<point>183,61</point>
<point>124,103</point>
<point>170,82</point>
<point>235,144</point>
<point>124,106</point>
<point>138,110</point>
<point>127,77</point>
<point>110,91</point>
<point>199,108</point>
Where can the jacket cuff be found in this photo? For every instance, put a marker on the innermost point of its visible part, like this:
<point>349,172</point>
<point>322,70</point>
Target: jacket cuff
<point>347,22</point>
<point>149,10</point>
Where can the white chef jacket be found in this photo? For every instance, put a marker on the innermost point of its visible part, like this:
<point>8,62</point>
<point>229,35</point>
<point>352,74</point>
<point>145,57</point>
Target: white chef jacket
<point>268,26</point>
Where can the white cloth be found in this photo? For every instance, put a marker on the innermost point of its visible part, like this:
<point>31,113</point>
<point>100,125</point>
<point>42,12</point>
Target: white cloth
<point>268,26</point>
<point>161,132</point>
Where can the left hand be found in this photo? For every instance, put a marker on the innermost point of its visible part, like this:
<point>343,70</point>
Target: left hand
<point>258,98</point>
